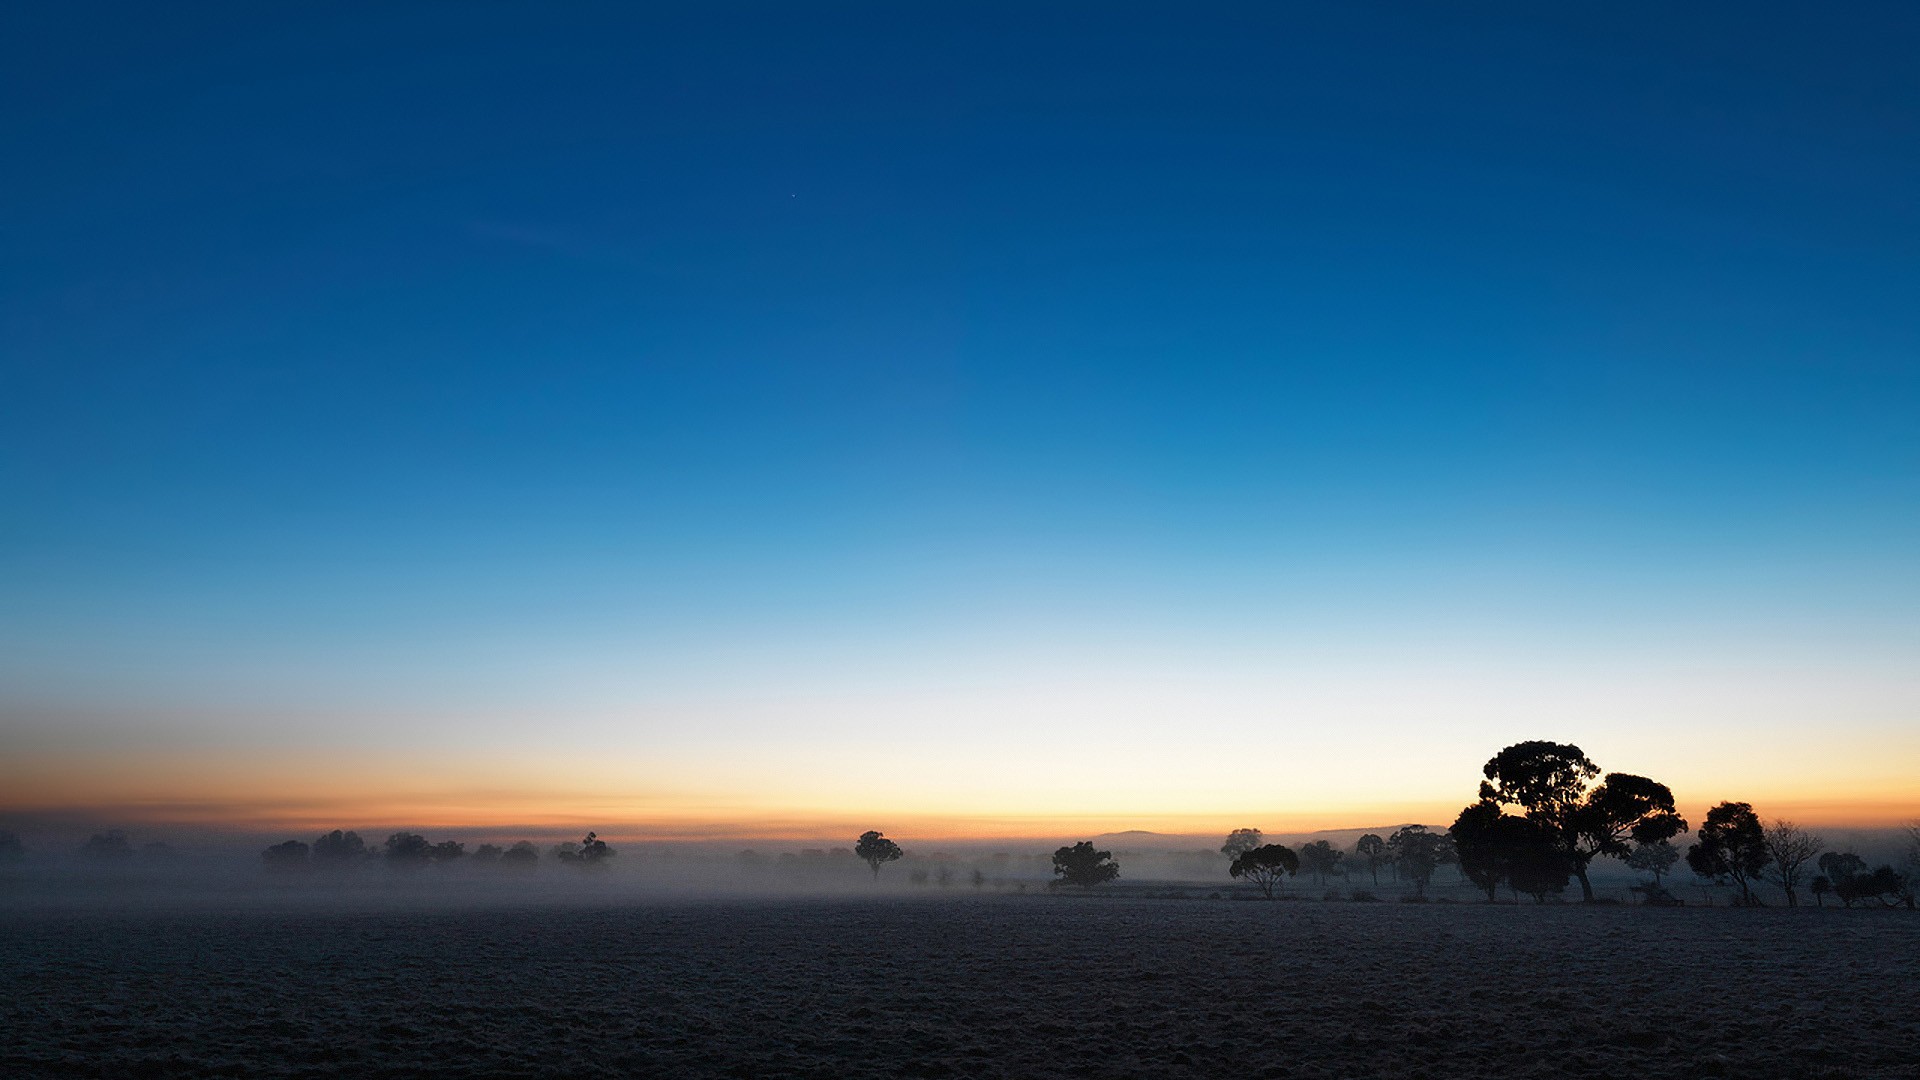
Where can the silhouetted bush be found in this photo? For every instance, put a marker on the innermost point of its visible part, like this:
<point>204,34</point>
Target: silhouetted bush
<point>107,845</point>
<point>1084,866</point>
<point>290,856</point>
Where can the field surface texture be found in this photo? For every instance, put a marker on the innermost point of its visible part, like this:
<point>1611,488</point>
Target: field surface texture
<point>987,987</point>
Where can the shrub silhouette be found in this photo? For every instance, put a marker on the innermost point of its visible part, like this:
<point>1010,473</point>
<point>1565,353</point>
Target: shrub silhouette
<point>107,845</point>
<point>289,856</point>
<point>875,849</point>
<point>1265,866</point>
<point>1733,847</point>
<point>1372,851</point>
<point>1790,848</point>
<point>339,849</point>
<point>1239,842</point>
<point>1321,859</point>
<point>1084,866</point>
<point>1549,781</point>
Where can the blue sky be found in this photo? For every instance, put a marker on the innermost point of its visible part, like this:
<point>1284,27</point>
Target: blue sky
<point>753,376</point>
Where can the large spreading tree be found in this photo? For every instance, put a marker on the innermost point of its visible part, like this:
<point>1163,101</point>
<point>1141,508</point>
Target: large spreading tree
<point>1265,866</point>
<point>1084,865</point>
<point>1552,783</point>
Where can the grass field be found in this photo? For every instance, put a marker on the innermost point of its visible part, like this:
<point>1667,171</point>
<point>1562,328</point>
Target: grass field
<point>994,986</point>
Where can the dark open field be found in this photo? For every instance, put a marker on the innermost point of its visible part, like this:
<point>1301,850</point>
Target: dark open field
<point>988,987</point>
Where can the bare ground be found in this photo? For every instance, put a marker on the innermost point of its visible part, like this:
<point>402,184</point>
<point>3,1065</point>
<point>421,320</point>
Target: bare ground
<point>972,987</point>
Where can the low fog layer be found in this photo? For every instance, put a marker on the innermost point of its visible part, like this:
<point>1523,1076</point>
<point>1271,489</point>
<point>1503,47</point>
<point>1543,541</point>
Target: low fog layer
<point>58,868</point>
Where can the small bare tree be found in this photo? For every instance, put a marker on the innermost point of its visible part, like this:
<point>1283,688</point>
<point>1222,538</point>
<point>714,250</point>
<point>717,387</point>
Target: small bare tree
<point>1791,848</point>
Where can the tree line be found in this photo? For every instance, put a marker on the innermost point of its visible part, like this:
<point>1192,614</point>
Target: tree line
<point>1570,813</point>
<point>404,850</point>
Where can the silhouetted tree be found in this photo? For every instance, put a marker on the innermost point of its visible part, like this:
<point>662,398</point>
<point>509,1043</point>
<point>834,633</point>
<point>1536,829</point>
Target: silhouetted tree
<point>487,855</point>
<point>11,850</point>
<point>1549,781</point>
<point>1265,866</point>
<point>339,849</point>
<point>289,856</point>
<point>1373,851</point>
<point>1656,858</point>
<point>1480,839</point>
<point>1732,846</point>
<point>107,845</point>
<point>1495,847</point>
<point>1416,853</point>
<point>1239,842</point>
<point>405,850</point>
<point>1083,866</point>
<point>1790,848</point>
<point>1538,866</point>
<point>875,849</point>
<point>1838,866</point>
<point>1820,886</point>
<point>447,851</point>
<point>592,851</point>
<point>521,856</point>
<point>1320,859</point>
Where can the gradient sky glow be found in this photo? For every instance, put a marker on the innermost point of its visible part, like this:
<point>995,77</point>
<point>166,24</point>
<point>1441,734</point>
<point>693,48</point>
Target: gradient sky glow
<point>987,420</point>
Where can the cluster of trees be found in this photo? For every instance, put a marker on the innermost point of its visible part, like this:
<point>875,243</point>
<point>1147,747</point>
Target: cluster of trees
<point>1734,847</point>
<point>1545,812</point>
<point>1412,853</point>
<point>1571,814</point>
<point>405,850</point>
<point>1566,820</point>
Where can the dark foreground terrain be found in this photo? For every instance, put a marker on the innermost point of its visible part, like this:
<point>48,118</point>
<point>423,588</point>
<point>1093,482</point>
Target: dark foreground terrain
<point>993,986</point>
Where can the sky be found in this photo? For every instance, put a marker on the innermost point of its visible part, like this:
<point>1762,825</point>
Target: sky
<point>740,419</point>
